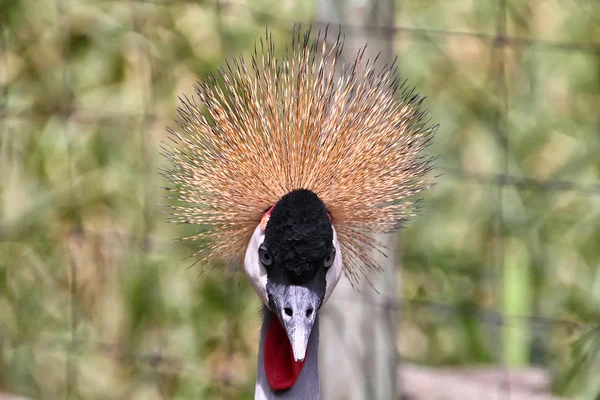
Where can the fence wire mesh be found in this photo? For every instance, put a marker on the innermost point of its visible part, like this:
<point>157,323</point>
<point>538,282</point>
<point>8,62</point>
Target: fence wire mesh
<point>86,279</point>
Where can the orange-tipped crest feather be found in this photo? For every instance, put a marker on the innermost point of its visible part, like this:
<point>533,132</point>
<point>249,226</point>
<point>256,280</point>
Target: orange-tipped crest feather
<point>302,121</point>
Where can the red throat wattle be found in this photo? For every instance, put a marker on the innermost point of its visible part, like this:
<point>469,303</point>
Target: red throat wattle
<point>281,369</point>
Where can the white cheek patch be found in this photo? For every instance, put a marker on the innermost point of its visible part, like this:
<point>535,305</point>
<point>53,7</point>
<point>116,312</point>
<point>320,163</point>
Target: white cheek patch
<point>335,271</point>
<point>256,273</point>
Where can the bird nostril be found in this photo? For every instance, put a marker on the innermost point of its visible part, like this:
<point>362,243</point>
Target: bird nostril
<point>309,312</point>
<point>288,311</point>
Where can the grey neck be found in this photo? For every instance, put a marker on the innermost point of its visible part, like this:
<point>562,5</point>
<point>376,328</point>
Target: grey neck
<point>307,385</point>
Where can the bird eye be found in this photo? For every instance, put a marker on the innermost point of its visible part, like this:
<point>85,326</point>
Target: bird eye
<point>265,257</point>
<point>328,261</point>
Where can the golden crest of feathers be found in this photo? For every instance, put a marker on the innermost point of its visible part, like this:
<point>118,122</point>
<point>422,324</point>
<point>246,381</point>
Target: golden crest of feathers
<point>352,134</point>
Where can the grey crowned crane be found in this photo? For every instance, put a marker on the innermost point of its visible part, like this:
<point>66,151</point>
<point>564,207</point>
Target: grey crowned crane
<point>292,164</point>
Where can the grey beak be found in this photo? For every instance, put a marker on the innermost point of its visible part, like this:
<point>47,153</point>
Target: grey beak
<point>297,310</point>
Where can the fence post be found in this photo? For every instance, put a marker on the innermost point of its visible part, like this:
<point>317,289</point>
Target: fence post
<point>358,331</point>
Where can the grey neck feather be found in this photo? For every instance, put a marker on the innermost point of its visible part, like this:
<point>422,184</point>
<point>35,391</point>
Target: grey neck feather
<point>307,385</point>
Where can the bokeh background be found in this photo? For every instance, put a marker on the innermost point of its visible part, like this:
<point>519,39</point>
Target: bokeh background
<point>96,303</point>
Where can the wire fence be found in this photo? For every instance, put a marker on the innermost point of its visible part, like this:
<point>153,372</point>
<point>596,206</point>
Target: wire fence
<point>75,345</point>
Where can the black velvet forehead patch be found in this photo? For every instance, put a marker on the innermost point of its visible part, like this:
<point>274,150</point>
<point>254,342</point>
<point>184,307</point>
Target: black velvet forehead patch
<point>299,235</point>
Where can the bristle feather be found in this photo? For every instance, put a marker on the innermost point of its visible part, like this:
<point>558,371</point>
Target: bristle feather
<point>300,121</point>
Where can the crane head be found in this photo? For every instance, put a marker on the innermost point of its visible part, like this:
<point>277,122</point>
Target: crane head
<point>294,262</point>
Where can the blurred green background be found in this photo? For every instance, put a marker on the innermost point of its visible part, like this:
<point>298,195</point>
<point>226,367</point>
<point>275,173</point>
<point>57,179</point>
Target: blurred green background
<point>96,303</point>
